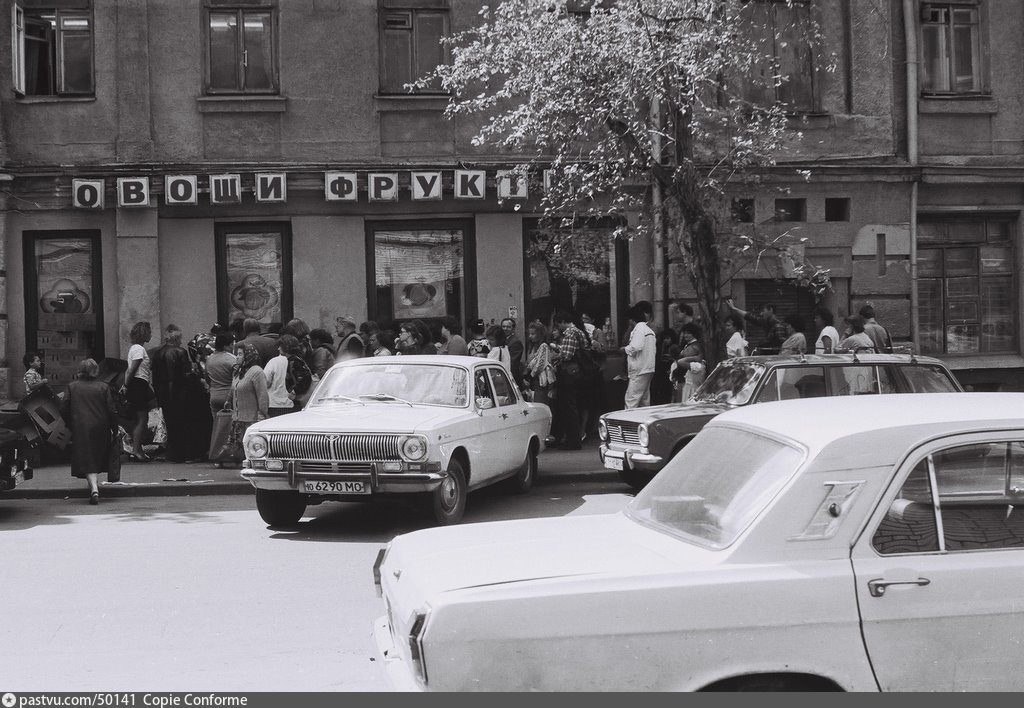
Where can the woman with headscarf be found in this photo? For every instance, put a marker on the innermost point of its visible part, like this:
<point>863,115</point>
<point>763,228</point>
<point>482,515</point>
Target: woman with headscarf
<point>248,390</point>
<point>89,410</point>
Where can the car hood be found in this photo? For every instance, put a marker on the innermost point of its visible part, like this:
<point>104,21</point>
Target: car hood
<point>669,411</point>
<point>372,417</point>
<point>423,564</point>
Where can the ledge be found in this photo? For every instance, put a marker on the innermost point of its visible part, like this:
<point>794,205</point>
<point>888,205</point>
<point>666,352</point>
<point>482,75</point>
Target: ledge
<point>987,361</point>
<point>977,105</point>
<point>410,102</point>
<point>242,104</point>
<point>54,99</point>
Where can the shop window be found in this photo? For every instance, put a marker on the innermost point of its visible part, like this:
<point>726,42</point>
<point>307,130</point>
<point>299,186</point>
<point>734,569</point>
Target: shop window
<point>254,272</point>
<point>241,50</point>
<point>411,32</point>
<point>784,28</point>
<point>580,269</point>
<point>967,287</point>
<point>52,51</point>
<point>63,297</point>
<point>418,270</point>
<point>837,209</point>
<point>950,48</point>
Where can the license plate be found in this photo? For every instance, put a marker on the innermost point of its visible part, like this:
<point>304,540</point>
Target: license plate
<point>613,463</point>
<point>321,486</point>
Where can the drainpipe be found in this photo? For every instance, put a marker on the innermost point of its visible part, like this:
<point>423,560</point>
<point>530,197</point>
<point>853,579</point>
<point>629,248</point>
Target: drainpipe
<point>658,275</point>
<point>910,35</point>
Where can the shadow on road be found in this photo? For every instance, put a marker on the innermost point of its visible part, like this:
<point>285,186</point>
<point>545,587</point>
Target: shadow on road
<point>21,514</point>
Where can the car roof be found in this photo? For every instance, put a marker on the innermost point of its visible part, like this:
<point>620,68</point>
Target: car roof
<point>439,359</point>
<point>846,358</point>
<point>817,422</point>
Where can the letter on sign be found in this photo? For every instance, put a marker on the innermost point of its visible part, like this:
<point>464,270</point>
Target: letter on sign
<point>340,186</point>
<point>133,191</point>
<point>225,189</point>
<point>470,184</point>
<point>181,189</point>
<point>512,184</point>
<point>383,187</point>
<point>87,193</point>
<point>426,185</point>
<point>271,187</point>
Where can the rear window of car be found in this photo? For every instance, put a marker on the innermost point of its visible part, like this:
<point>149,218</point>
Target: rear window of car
<point>928,379</point>
<point>716,486</point>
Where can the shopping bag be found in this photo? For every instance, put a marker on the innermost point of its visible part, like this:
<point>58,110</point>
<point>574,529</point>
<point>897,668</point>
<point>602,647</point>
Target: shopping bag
<point>224,447</point>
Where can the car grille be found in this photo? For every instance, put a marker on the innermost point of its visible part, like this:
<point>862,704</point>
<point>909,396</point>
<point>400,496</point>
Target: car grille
<point>623,433</point>
<point>332,447</point>
<point>307,466</point>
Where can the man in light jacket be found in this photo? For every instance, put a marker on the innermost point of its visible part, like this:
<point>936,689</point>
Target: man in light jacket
<point>641,353</point>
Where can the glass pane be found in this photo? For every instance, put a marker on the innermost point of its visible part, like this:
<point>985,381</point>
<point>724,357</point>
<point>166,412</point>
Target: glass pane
<point>397,61</point>
<point>419,274</point>
<point>930,316</point>
<point>963,339</point>
<point>571,272</point>
<point>967,231</point>
<point>998,323</point>
<point>259,59</point>
<point>255,276</point>
<point>429,52</point>
<point>76,64</point>
<point>964,40</point>
<point>852,380</point>
<point>929,263</point>
<point>962,311</point>
<point>962,287</point>
<point>40,73</point>
<point>934,59</point>
<point>909,524</point>
<point>502,388</point>
<point>927,379</point>
<point>961,261</point>
<point>995,259</point>
<point>224,52</point>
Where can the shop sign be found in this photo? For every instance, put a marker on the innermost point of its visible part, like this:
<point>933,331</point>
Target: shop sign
<point>133,191</point>
<point>340,187</point>
<point>511,184</point>
<point>181,189</point>
<point>470,184</point>
<point>87,193</point>
<point>271,187</point>
<point>426,185</point>
<point>382,187</point>
<point>225,189</point>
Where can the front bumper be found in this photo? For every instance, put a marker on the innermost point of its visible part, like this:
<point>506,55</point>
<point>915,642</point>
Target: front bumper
<point>397,669</point>
<point>630,458</point>
<point>426,479</point>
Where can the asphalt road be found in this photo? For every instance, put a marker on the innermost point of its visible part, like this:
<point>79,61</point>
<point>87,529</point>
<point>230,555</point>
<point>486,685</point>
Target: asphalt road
<point>197,594</point>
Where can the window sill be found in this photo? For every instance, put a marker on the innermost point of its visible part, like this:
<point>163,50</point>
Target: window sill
<point>54,99</point>
<point>958,362</point>
<point>411,102</point>
<point>978,105</point>
<point>254,103</point>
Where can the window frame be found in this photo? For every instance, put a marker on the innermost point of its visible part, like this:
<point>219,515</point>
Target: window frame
<point>211,6</point>
<point>225,229</point>
<point>980,48</point>
<point>414,9</point>
<point>21,13</point>
<point>775,64</point>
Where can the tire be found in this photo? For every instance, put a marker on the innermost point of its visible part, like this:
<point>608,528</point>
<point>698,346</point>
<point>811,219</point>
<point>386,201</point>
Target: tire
<point>523,480</point>
<point>280,508</point>
<point>448,501</point>
<point>636,479</point>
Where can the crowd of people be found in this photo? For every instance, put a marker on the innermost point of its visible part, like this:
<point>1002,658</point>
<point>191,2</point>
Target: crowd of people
<point>257,374</point>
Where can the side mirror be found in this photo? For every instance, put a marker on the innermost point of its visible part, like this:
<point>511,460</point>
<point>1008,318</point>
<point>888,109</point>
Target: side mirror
<point>483,403</point>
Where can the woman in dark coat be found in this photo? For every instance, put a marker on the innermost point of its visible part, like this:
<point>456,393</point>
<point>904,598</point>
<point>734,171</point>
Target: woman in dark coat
<point>90,413</point>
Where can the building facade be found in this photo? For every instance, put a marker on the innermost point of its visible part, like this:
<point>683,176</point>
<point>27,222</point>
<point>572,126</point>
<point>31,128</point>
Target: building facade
<point>193,161</point>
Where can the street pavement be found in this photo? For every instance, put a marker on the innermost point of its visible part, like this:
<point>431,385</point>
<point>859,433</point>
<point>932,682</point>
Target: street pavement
<point>161,478</point>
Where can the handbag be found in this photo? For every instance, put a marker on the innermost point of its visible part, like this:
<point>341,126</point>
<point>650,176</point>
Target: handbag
<point>220,437</point>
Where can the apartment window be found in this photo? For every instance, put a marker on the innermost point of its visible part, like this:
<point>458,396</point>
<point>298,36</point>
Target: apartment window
<point>411,43</point>
<point>52,51</point>
<point>784,29</point>
<point>241,54</point>
<point>791,210</point>
<point>966,286</point>
<point>837,209</point>
<point>950,48</point>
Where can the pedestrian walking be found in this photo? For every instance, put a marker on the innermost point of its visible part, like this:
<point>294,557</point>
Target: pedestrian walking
<point>828,336</point>
<point>736,344</point>
<point>91,415</point>
<point>879,334</point>
<point>138,387</point>
<point>452,341</point>
<point>641,358</point>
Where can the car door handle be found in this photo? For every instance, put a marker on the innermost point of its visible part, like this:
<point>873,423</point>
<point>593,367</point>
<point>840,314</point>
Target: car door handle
<point>504,416</point>
<point>877,586</point>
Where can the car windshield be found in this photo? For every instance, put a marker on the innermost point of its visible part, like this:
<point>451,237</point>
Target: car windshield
<point>730,383</point>
<point>429,384</point>
<point>716,486</point>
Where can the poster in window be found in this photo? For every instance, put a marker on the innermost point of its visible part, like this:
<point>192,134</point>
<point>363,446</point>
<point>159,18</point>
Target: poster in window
<point>255,276</point>
<point>421,269</point>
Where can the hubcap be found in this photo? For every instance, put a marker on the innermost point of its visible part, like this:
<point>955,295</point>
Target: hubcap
<point>449,492</point>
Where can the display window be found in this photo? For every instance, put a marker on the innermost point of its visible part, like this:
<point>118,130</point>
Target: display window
<point>254,272</point>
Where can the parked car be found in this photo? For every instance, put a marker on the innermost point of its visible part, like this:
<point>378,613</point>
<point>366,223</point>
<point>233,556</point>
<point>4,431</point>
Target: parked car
<point>797,545</point>
<point>437,425</point>
<point>640,441</point>
<point>14,459</point>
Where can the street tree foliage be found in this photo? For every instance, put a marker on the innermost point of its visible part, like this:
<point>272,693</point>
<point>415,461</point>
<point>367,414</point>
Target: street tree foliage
<point>631,102</point>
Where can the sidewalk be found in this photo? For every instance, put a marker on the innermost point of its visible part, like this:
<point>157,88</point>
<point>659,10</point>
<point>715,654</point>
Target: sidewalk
<point>166,479</point>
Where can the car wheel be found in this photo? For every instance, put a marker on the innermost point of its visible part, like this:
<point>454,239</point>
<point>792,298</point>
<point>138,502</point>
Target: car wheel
<point>448,501</point>
<point>635,478</point>
<point>280,508</point>
<point>523,480</point>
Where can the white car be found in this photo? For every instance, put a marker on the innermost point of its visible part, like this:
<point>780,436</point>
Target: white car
<point>437,425</point>
<point>870,545</point>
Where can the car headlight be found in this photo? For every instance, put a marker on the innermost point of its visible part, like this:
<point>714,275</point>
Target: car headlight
<point>642,436</point>
<point>414,448</point>
<point>602,429</point>
<point>256,447</point>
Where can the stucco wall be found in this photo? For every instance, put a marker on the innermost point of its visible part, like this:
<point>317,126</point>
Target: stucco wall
<point>499,264</point>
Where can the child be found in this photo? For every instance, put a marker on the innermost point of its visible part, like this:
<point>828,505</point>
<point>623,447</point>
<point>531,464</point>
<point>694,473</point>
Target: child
<point>33,372</point>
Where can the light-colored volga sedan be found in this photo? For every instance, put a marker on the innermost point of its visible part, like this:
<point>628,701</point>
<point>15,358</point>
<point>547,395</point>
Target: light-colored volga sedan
<point>437,425</point>
<point>877,544</point>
